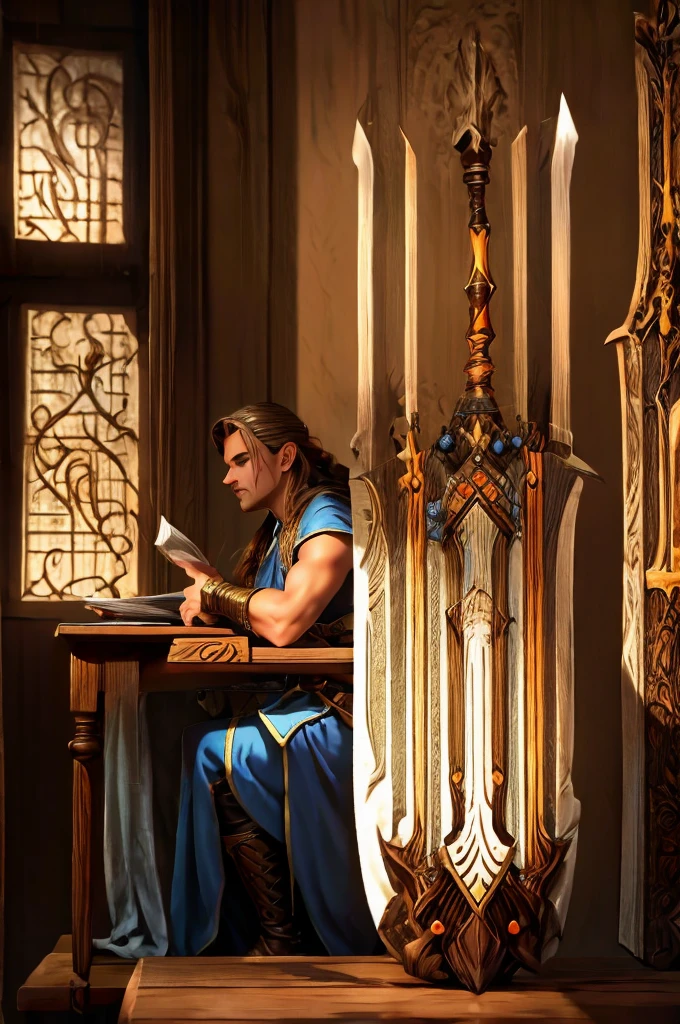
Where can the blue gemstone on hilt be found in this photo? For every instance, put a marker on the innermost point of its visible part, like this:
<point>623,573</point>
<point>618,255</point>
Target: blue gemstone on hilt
<point>498,446</point>
<point>517,441</point>
<point>435,511</point>
<point>446,442</point>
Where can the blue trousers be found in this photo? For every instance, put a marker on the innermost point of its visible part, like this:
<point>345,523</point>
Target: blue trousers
<point>298,787</point>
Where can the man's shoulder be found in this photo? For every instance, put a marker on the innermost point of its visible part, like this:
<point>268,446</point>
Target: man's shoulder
<point>325,512</point>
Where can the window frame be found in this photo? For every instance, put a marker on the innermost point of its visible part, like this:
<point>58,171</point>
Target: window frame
<point>33,274</point>
<point>19,255</point>
<point>54,307</point>
<point>13,519</point>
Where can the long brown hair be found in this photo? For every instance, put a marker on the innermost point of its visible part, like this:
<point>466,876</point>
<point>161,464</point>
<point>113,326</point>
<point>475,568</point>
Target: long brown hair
<point>314,471</point>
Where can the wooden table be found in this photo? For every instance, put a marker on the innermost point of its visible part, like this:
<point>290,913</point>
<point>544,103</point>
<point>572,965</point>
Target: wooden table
<point>344,989</point>
<point>113,662</point>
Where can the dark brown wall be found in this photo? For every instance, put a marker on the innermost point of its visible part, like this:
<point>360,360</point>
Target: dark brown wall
<point>589,54</point>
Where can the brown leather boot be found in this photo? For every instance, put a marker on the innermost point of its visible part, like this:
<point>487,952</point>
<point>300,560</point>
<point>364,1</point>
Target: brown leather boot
<point>262,865</point>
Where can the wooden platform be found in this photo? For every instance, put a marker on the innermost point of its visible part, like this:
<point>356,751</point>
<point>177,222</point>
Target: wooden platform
<point>613,991</point>
<point>48,988</point>
<point>367,989</point>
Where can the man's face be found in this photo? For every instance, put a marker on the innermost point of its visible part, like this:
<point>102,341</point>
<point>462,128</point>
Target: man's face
<point>253,483</point>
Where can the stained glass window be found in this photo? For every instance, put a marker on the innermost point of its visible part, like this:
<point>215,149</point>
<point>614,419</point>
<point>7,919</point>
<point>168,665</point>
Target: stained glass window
<point>81,490</point>
<point>68,145</point>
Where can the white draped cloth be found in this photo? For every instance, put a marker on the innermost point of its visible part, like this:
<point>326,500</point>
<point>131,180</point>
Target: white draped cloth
<point>133,888</point>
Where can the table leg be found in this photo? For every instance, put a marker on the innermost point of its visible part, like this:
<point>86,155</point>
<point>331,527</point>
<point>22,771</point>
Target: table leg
<point>85,747</point>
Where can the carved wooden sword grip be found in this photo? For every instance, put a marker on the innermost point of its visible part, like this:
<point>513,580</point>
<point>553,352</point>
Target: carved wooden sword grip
<point>475,155</point>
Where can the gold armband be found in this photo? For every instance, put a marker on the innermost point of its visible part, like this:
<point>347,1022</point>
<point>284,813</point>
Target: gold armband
<point>222,598</point>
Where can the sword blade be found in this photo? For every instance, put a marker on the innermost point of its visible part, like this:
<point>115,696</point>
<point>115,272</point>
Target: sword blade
<point>363,442</point>
<point>410,280</point>
<point>560,217</point>
<point>520,272</point>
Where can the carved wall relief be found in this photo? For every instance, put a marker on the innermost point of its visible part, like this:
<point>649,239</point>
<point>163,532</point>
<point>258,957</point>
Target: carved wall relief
<point>648,345</point>
<point>438,40</point>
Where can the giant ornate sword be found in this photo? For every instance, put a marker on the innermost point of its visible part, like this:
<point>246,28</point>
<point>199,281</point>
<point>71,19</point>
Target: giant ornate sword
<point>463,670</point>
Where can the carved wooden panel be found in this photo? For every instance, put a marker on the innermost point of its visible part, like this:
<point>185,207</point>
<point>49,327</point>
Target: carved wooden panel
<point>231,649</point>
<point>648,345</point>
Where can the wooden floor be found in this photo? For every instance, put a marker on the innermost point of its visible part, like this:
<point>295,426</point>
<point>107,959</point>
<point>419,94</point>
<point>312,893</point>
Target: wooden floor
<point>376,989</point>
<point>357,990</point>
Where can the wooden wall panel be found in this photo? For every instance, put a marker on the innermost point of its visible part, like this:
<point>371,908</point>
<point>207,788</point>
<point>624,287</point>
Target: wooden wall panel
<point>283,184</point>
<point>251,247</point>
<point>585,50</point>
<point>177,370</point>
<point>237,242</point>
<point>331,88</point>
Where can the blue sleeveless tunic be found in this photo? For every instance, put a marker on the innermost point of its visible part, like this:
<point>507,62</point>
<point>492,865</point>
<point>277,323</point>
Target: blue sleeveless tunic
<point>290,765</point>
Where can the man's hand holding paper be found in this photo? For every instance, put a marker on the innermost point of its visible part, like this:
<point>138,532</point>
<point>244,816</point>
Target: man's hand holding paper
<point>200,573</point>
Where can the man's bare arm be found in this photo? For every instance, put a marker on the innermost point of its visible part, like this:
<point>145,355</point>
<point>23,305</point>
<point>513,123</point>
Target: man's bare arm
<point>282,616</point>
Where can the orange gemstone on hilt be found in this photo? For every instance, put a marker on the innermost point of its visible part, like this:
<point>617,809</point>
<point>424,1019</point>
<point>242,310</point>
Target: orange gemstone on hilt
<point>437,928</point>
<point>513,927</point>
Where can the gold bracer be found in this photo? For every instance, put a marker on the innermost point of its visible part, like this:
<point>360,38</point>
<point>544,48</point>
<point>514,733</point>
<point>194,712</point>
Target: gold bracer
<point>222,598</point>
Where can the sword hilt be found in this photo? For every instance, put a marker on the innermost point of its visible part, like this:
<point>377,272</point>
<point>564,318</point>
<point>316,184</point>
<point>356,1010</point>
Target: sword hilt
<point>475,155</point>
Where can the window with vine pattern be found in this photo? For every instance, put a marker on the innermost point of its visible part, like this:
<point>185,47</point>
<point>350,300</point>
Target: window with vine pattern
<point>81,473</point>
<point>68,145</point>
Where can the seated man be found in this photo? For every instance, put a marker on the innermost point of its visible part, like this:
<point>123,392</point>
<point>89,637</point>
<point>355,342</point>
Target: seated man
<point>275,786</point>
